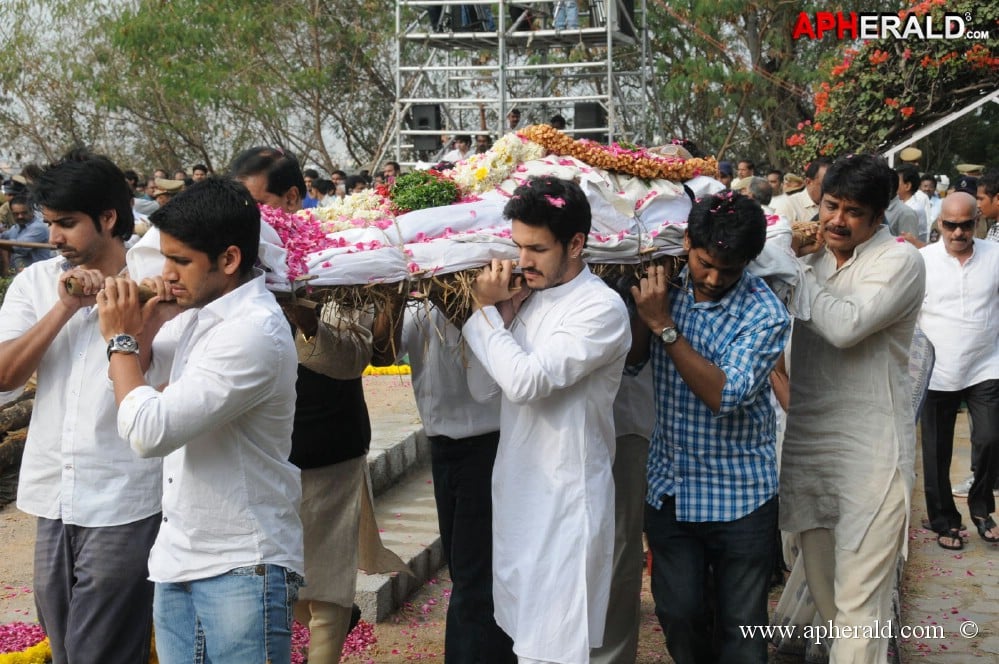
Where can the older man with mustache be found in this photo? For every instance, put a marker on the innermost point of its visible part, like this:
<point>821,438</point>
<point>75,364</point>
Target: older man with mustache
<point>847,471</point>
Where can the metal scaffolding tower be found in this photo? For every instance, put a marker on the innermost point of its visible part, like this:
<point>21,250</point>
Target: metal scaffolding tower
<point>460,69</point>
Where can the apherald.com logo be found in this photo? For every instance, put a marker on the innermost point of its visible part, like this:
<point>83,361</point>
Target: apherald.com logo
<point>864,25</point>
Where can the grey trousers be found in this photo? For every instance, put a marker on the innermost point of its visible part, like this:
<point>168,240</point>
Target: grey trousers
<point>92,594</point>
<point>624,610</point>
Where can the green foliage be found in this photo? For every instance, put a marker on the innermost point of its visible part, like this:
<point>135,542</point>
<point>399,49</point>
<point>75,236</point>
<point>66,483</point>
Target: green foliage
<point>418,190</point>
<point>874,95</point>
<point>167,84</point>
<point>728,75</point>
<point>4,284</point>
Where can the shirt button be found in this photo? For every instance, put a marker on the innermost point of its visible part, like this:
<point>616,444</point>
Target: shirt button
<point>68,466</point>
<point>164,519</point>
<point>169,480</point>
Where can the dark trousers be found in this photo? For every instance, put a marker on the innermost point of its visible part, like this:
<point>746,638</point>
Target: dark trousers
<point>739,558</point>
<point>462,471</point>
<point>938,418</point>
<point>92,594</point>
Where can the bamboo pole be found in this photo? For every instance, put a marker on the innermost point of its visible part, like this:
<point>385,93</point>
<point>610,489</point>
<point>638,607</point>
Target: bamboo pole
<point>74,288</point>
<point>28,245</point>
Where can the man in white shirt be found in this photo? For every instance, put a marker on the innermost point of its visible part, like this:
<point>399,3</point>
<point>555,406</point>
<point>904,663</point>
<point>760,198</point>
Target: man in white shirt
<point>97,503</point>
<point>331,434</point>
<point>556,353</point>
<point>228,557</point>
<point>804,205</point>
<point>464,436</point>
<point>928,186</point>
<point>848,455</point>
<point>759,190</point>
<point>513,119</point>
<point>462,149</point>
<point>958,317</point>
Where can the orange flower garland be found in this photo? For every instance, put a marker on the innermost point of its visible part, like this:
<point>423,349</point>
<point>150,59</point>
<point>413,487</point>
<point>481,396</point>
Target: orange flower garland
<point>637,162</point>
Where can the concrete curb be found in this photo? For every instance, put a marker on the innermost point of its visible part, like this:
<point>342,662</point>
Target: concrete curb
<point>407,518</point>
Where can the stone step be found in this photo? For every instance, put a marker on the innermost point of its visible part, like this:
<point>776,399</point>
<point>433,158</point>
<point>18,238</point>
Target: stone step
<point>399,464</point>
<point>407,518</point>
<point>390,460</point>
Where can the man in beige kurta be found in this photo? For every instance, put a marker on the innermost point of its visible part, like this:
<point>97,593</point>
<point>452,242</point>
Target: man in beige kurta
<point>847,469</point>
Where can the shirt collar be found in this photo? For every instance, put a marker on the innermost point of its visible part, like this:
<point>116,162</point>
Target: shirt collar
<point>565,286</point>
<point>232,303</point>
<point>726,299</point>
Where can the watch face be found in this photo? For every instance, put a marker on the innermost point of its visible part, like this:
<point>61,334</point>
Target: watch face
<point>124,343</point>
<point>669,335</point>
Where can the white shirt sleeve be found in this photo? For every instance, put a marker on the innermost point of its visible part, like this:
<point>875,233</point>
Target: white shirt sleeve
<point>480,383</point>
<point>878,301</point>
<point>585,341</point>
<point>231,371</point>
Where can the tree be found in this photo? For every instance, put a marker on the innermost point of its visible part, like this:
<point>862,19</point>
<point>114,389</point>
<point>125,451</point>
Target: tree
<point>304,75</point>
<point>171,83</point>
<point>729,76</point>
<point>44,107</point>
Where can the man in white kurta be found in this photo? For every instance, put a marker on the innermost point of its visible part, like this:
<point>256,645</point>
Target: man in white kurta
<point>558,362</point>
<point>847,470</point>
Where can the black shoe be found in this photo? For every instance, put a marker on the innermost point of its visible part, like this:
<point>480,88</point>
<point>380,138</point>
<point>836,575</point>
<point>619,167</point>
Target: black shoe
<point>355,617</point>
<point>984,524</point>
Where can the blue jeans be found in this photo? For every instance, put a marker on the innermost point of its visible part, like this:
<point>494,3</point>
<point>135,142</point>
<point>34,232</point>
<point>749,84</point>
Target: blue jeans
<point>244,615</point>
<point>734,560</point>
<point>567,15</point>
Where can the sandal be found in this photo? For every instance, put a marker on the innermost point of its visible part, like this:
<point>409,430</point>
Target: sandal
<point>953,534</point>
<point>984,525</point>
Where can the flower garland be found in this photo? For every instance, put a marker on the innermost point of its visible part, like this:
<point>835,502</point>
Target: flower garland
<point>484,172</point>
<point>301,235</point>
<point>633,161</point>
<point>394,370</point>
<point>358,210</point>
<point>21,643</point>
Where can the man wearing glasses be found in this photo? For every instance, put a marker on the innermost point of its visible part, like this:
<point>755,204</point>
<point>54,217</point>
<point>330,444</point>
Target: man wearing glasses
<point>962,280</point>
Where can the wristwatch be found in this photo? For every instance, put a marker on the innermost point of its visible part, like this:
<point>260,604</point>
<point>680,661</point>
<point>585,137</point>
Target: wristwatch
<point>123,343</point>
<point>669,335</point>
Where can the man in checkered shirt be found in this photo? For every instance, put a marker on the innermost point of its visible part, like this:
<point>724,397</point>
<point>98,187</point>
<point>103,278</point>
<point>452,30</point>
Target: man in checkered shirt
<point>711,507</point>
